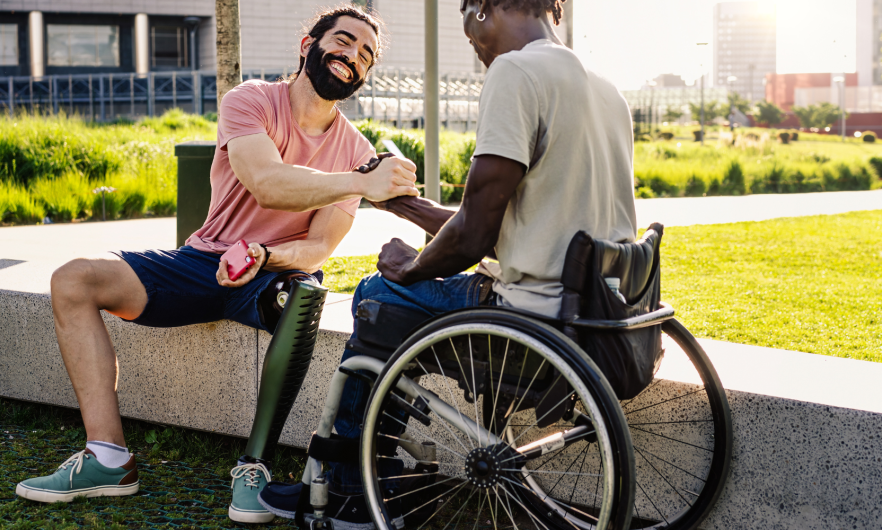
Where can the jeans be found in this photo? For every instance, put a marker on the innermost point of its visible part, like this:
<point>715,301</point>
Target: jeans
<point>432,297</point>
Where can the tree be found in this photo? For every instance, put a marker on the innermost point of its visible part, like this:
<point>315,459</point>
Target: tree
<point>672,114</point>
<point>735,100</point>
<point>826,114</point>
<point>229,50</point>
<point>822,115</point>
<point>769,113</point>
<point>712,109</point>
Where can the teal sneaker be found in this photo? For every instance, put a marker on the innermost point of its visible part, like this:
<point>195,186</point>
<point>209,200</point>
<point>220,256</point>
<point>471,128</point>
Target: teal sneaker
<point>248,481</point>
<point>81,476</point>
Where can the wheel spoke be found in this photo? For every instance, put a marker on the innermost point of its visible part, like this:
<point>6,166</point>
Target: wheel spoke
<point>499,386</point>
<point>674,440</point>
<point>419,489</point>
<point>510,495</point>
<point>538,371</point>
<point>652,503</point>
<point>547,472</point>
<point>450,394</point>
<point>582,465</point>
<point>480,508</point>
<point>478,418</point>
<point>461,512</point>
<point>670,422</point>
<point>543,499</point>
<point>664,478</point>
<point>568,468</point>
<point>436,442</point>
<point>443,421</point>
<point>673,465</point>
<point>645,390</point>
<point>455,488</point>
<point>666,401</point>
<point>536,423</point>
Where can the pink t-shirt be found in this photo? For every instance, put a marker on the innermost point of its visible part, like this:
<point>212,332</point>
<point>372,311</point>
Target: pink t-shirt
<point>259,107</point>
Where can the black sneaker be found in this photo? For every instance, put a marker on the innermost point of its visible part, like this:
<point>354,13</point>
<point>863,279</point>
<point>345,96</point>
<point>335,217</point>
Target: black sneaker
<point>348,512</point>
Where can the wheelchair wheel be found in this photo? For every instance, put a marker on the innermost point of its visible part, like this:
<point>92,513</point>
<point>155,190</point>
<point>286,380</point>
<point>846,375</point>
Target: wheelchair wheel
<point>682,437</point>
<point>490,381</point>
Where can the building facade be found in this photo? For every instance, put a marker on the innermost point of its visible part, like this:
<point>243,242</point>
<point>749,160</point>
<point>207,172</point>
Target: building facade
<point>52,37</point>
<point>781,89</point>
<point>745,47</point>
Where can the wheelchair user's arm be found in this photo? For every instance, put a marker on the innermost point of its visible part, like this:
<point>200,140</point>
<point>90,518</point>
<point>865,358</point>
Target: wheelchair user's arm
<point>425,213</point>
<point>469,235</point>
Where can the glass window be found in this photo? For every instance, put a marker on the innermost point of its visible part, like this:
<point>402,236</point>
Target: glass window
<point>80,45</point>
<point>170,46</point>
<point>8,44</point>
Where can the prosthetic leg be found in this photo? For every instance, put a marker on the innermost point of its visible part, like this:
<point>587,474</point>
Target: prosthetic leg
<point>293,306</point>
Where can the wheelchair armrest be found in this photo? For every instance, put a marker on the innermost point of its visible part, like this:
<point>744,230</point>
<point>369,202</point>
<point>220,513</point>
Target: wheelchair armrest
<point>654,318</point>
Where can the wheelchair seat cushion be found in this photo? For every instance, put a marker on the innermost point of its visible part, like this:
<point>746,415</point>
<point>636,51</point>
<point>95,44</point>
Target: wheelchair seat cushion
<point>628,359</point>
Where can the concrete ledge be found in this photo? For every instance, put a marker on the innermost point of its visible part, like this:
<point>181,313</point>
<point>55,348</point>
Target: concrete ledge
<point>808,429</point>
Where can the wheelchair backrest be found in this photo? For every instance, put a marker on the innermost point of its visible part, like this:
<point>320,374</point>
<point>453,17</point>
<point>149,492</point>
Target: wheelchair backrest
<point>632,263</point>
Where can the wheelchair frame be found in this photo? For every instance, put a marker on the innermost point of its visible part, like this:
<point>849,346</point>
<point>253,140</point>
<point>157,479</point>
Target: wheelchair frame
<point>313,297</point>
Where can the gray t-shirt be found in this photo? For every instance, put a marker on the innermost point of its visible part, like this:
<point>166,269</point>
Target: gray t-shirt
<point>572,130</point>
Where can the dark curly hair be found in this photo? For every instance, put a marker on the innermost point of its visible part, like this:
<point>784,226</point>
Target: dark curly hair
<point>537,7</point>
<point>327,19</point>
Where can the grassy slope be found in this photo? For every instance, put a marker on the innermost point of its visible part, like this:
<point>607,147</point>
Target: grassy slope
<point>811,284</point>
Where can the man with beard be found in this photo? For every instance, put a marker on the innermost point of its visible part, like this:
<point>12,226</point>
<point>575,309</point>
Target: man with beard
<point>284,180</point>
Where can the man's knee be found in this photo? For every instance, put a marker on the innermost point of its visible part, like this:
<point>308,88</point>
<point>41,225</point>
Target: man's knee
<point>70,282</point>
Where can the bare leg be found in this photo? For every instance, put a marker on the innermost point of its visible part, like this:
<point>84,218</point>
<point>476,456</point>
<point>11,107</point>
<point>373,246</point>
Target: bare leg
<point>80,290</point>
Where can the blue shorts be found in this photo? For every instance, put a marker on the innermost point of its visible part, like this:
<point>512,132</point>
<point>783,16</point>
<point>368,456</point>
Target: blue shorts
<point>182,289</point>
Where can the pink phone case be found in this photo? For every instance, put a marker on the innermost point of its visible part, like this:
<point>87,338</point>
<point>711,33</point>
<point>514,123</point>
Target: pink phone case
<point>238,260</point>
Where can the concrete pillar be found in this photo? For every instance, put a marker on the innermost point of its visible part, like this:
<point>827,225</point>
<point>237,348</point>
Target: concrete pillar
<point>142,43</point>
<point>35,31</point>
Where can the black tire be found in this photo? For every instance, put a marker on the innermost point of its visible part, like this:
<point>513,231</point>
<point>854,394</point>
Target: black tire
<point>590,392</point>
<point>682,441</point>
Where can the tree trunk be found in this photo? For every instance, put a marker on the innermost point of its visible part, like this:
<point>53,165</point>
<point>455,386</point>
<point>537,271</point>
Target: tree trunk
<point>229,51</point>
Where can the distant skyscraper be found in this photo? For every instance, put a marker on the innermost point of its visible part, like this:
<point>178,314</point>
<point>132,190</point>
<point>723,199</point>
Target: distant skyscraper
<point>744,46</point>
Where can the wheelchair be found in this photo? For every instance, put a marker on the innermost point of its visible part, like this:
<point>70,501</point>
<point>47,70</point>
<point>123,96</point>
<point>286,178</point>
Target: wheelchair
<point>502,415</point>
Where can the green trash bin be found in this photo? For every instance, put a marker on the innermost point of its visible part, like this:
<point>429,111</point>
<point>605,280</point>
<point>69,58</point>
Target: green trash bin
<point>194,185</point>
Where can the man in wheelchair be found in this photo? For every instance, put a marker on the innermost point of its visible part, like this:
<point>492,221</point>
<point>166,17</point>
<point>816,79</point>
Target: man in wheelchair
<point>553,158</point>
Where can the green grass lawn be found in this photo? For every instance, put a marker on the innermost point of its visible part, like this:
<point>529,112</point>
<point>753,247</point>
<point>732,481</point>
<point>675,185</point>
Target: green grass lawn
<point>811,284</point>
<point>185,475</point>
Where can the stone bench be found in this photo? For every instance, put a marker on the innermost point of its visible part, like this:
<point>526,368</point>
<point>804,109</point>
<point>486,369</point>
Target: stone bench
<point>808,429</point>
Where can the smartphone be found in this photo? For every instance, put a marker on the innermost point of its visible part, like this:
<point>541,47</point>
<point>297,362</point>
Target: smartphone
<point>238,259</point>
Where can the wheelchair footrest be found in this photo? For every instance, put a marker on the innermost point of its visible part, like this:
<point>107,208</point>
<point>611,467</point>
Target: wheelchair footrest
<point>345,450</point>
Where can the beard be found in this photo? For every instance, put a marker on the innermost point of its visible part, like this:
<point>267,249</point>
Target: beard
<point>325,82</point>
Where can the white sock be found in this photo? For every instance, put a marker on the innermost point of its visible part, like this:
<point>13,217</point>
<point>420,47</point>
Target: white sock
<point>108,454</point>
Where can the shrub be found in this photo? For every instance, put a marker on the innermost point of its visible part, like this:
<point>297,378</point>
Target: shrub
<point>794,136</point>
<point>876,163</point>
<point>18,207</point>
<point>63,199</point>
<point>372,130</point>
<point>784,137</point>
<point>697,135</point>
<point>695,187</point>
<point>666,135</point>
<point>644,192</point>
<point>714,187</point>
<point>733,180</point>
<point>869,137</point>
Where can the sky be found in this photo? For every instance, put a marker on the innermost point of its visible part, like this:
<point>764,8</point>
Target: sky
<point>631,41</point>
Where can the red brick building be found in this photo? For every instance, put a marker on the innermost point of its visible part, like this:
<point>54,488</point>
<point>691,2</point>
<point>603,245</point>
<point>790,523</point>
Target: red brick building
<point>781,88</point>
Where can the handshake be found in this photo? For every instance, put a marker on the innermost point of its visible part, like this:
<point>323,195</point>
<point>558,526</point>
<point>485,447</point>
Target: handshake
<point>396,172</point>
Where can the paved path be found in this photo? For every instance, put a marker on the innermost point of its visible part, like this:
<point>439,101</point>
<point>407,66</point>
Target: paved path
<point>62,242</point>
